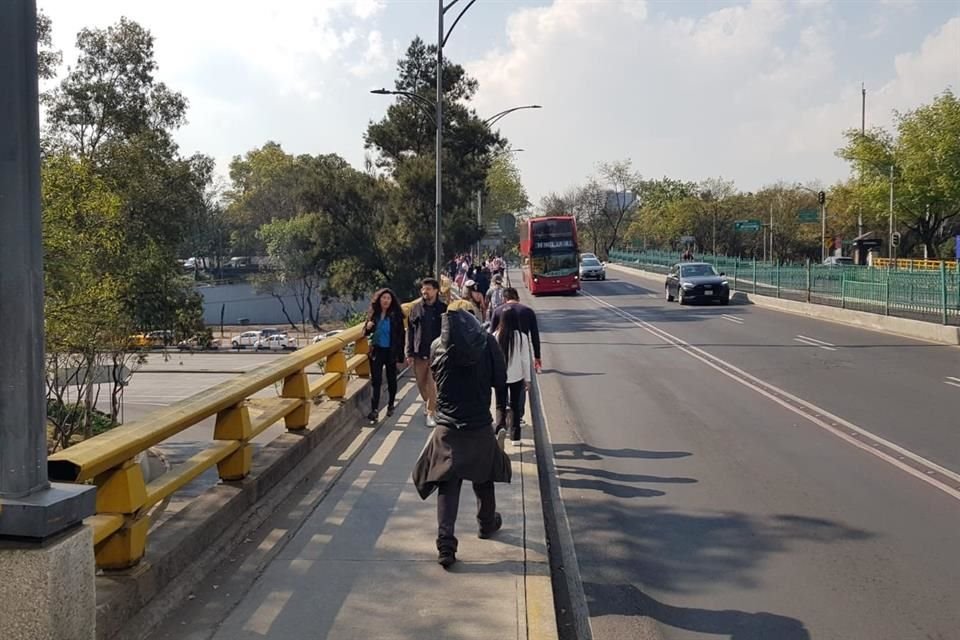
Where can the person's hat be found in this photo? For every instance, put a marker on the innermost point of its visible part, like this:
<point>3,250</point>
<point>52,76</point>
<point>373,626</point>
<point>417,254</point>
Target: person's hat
<point>469,283</point>
<point>498,278</point>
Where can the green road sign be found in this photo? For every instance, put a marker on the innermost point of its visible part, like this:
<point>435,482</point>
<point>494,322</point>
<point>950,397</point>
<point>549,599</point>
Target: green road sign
<point>807,216</point>
<point>747,225</point>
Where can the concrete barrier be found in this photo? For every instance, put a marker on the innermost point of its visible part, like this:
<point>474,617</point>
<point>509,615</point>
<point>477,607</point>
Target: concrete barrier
<point>917,329</point>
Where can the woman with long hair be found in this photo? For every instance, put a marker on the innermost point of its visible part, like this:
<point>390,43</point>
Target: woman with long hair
<point>478,303</point>
<point>516,351</point>
<point>384,327</point>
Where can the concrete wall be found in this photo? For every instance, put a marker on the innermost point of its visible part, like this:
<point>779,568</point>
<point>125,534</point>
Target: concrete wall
<point>241,301</point>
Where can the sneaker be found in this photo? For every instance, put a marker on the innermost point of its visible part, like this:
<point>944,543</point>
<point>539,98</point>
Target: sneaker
<point>501,437</point>
<point>389,410</point>
<point>446,558</point>
<point>431,421</point>
<point>497,523</point>
<point>373,416</point>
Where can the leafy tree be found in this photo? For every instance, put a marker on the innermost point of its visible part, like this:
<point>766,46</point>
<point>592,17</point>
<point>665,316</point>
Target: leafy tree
<point>505,193</point>
<point>404,144</point>
<point>48,59</point>
<point>925,156</point>
<point>111,113</point>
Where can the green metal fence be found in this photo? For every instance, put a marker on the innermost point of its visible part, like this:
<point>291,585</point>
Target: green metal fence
<point>924,295</point>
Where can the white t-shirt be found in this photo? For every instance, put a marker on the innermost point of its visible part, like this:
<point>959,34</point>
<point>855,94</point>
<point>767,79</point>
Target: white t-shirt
<point>518,365</point>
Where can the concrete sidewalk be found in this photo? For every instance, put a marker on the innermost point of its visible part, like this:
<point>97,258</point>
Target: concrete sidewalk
<point>358,560</point>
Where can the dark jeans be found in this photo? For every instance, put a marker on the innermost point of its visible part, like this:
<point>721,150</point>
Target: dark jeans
<point>518,395</point>
<point>382,358</point>
<point>448,503</point>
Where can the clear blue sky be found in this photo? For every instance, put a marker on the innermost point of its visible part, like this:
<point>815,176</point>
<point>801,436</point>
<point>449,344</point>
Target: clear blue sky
<point>752,91</point>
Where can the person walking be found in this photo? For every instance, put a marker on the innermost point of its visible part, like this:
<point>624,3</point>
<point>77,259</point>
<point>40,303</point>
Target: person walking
<point>467,363</point>
<point>385,327</point>
<point>515,347</point>
<point>476,300</point>
<point>528,321</point>
<point>423,327</point>
<point>494,296</point>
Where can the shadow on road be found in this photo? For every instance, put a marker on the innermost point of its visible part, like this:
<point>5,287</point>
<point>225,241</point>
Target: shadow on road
<point>627,600</point>
<point>586,452</point>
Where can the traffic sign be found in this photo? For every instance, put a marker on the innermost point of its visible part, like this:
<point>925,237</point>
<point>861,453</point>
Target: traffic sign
<point>807,216</point>
<point>747,225</point>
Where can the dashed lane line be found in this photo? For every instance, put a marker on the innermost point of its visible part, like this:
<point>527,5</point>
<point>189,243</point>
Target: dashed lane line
<point>733,319</point>
<point>813,342</point>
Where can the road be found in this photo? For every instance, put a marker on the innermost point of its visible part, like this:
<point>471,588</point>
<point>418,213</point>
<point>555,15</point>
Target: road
<point>735,472</point>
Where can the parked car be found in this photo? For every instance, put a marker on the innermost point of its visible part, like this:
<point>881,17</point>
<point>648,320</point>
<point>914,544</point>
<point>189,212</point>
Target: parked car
<point>198,343</point>
<point>584,256</point>
<point>276,342</point>
<point>328,334</point>
<point>696,282</point>
<point>270,331</point>
<point>245,339</point>
<point>839,261</point>
<point>592,269</point>
<point>158,339</point>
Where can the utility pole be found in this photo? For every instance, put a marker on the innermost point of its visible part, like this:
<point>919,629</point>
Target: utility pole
<point>714,232</point>
<point>863,133</point>
<point>479,218</point>
<point>438,251</point>
<point>890,238</point>
<point>771,231</point>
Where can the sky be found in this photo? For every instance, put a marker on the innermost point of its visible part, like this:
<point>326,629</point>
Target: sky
<point>756,92</point>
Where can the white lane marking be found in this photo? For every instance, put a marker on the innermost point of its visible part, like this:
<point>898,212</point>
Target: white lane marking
<point>388,444</point>
<point>953,378</point>
<point>843,429</point>
<point>951,383</point>
<point>821,342</point>
<point>730,318</point>
<point>811,343</point>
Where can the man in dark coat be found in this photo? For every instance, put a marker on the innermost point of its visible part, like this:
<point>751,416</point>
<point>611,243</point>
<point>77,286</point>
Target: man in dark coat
<point>467,364</point>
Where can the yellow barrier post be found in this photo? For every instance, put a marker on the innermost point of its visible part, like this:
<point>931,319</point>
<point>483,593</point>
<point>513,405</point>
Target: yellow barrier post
<point>234,424</point>
<point>297,386</point>
<point>122,491</point>
<point>337,363</point>
<point>363,348</point>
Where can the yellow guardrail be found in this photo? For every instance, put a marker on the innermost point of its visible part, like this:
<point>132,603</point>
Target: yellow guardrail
<point>914,265</point>
<point>125,499</point>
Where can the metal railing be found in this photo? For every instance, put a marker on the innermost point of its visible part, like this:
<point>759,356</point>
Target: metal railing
<point>125,500</point>
<point>930,295</point>
<point>915,265</point>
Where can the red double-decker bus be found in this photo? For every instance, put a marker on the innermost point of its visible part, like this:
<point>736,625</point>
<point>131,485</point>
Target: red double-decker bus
<point>550,255</point>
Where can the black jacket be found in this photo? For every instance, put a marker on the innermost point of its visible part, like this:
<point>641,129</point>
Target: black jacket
<point>423,327</point>
<point>467,364</point>
<point>397,335</point>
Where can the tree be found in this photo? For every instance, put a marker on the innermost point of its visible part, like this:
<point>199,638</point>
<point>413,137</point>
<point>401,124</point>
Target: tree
<point>924,154</point>
<point>297,262</point>
<point>111,114</point>
<point>404,145</point>
<point>620,181</point>
<point>48,59</point>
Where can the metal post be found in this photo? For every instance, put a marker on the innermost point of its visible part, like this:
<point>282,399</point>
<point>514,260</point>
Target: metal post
<point>714,231</point>
<point>843,289</point>
<point>31,507</point>
<point>943,292</point>
<point>886,293</point>
<point>823,233</point>
<point>438,240</point>
<point>778,278</point>
<point>890,236</point>
<point>754,272</point>
<point>808,279</point>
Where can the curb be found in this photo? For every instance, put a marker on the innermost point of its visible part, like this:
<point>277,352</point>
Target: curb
<point>564,567</point>
<point>893,325</point>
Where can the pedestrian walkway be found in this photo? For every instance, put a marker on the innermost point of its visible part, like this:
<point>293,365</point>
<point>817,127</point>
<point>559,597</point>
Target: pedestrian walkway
<point>360,562</point>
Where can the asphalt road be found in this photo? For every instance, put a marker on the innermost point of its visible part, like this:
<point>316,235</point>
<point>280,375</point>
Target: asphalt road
<point>735,472</point>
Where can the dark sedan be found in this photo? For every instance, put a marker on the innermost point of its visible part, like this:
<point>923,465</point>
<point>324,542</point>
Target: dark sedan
<point>696,282</point>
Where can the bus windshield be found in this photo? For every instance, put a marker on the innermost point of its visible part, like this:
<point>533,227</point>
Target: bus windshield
<point>555,264</point>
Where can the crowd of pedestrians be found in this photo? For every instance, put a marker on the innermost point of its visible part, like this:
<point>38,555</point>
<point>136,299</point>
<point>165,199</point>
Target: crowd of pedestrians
<point>484,345</point>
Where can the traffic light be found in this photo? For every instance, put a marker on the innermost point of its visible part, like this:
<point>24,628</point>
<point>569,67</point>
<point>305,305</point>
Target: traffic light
<point>821,197</point>
<point>895,239</point>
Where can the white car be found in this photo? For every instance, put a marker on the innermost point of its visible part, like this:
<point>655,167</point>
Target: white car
<point>328,334</point>
<point>245,339</point>
<point>276,342</point>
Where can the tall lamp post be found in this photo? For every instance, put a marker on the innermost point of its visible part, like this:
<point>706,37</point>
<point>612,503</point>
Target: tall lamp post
<point>435,112</point>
